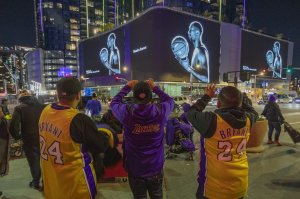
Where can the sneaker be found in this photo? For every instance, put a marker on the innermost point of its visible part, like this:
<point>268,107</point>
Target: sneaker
<point>270,142</point>
<point>277,143</point>
<point>36,186</point>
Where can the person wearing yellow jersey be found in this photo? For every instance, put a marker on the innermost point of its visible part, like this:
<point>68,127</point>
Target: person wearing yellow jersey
<point>68,139</point>
<point>224,133</point>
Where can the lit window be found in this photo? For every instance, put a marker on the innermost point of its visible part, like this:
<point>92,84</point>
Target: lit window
<point>90,3</point>
<point>74,26</point>
<point>48,4</point>
<point>75,32</point>
<point>75,38</point>
<point>98,12</point>
<point>74,8</point>
<point>73,21</point>
<point>71,46</point>
<point>59,5</point>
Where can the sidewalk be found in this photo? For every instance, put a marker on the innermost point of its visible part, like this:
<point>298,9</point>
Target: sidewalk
<point>273,174</point>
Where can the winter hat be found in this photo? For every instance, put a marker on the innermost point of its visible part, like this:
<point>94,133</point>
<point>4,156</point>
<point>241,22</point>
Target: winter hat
<point>142,93</point>
<point>24,93</point>
<point>272,98</point>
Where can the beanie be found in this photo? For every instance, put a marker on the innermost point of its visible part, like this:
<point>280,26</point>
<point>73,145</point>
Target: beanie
<point>272,98</point>
<point>142,93</point>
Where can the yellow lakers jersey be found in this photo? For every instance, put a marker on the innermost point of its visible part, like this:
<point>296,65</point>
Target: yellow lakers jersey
<point>223,163</point>
<point>66,165</point>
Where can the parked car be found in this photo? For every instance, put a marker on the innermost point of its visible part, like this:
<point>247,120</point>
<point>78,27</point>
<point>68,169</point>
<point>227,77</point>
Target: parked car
<point>297,100</point>
<point>263,100</point>
<point>213,102</point>
<point>180,99</point>
<point>283,98</point>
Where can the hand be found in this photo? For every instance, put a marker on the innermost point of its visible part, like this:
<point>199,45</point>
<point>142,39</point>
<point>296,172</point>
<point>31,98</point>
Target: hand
<point>210,90</point>
<point>151,83</point>
<point>132,83</point>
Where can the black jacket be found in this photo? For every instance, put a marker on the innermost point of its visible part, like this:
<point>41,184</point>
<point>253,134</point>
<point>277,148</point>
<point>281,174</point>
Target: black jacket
<point>206,122</point>
<point>272,112</point>
<point>25,119</point>
<point>4,129</point>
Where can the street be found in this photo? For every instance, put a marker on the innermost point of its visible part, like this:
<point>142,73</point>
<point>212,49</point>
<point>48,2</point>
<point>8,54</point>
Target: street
<point>274,173</point>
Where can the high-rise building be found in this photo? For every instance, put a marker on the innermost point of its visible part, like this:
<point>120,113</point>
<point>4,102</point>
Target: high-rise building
<point>13,74</point>
<point>58,28</point>
<point>61,23</point>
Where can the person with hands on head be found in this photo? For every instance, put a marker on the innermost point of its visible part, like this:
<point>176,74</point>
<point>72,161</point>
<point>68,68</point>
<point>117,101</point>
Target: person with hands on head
<point>67,141</point>
<point>224,133</point>
<point>143,123</point>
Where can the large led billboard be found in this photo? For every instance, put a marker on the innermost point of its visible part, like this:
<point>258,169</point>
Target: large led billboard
<point>103,55</point>
<point>163,44</point>
<point>172,46</point>
<point>261,52</point>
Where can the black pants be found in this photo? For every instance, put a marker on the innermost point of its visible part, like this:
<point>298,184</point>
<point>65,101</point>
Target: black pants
<point>277,127</point>
<point>153,184</point>
<point>33,158</point>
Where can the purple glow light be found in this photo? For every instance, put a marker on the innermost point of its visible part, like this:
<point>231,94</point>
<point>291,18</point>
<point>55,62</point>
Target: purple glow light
<point>64,72</point>
<point>244,15</point>
<point>41,13</point>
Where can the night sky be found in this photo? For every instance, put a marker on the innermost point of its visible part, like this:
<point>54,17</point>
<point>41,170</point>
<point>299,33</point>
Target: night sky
<point>17,23</point>
<point>273,16</point>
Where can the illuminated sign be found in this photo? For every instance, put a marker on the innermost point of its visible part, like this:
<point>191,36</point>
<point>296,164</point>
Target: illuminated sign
<point>64,72</point>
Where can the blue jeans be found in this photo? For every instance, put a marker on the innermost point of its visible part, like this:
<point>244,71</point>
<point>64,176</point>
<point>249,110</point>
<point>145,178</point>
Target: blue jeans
<point>272,126</point>
<point>140,185</point>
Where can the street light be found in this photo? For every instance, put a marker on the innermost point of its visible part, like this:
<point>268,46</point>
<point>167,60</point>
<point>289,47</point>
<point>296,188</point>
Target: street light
<point>84,79</point>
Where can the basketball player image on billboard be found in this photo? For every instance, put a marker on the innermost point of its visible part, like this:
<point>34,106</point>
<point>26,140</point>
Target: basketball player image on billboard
<point>198,66</point>
<point>274,60</point>
<point>111,58</point>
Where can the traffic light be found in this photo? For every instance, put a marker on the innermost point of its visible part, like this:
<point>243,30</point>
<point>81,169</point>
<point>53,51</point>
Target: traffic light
<point>117,78</point>
<point>289,69</point>
<point>245,76</point>
<point>225,77</point>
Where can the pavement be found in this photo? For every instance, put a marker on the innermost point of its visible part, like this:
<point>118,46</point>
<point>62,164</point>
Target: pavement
<point>273,174</point>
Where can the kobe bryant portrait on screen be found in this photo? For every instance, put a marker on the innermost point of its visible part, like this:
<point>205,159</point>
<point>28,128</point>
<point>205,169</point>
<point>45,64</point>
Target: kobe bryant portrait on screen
<point>274,60</point>
<point>198,65</point>
<point>110,57</point>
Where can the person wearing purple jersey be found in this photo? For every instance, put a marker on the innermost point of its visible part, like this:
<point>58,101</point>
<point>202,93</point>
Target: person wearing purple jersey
<point>93,106</point>
<point>143,124</point>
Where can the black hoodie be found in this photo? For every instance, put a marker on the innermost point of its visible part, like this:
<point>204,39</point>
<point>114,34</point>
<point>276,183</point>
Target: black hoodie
<point>26,115</point>
<point>206,122</point>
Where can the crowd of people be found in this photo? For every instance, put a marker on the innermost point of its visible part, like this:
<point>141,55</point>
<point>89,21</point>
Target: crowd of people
<point>66,148</point>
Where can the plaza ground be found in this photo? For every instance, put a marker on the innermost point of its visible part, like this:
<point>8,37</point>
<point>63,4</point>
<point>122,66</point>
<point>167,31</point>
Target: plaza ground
<point>273,174</point>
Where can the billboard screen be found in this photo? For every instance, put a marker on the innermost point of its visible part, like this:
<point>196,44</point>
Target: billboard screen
<point>103,55</point>
<point>181,47</point>
<point>261,52</point>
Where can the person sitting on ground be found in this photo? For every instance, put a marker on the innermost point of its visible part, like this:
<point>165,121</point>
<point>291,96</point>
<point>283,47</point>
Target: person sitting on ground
<point>224,133</point>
